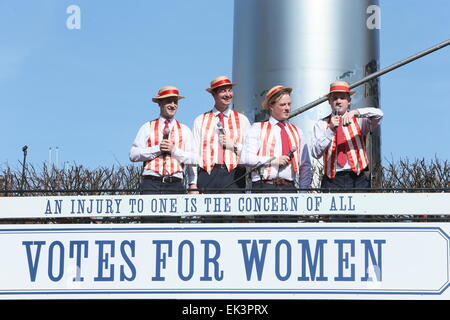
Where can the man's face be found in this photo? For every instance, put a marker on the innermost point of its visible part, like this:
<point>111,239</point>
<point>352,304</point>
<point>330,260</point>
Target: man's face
<point>341,100</point>
<point>281,108</point>
<point>223,96</point>
<point>169,107</point>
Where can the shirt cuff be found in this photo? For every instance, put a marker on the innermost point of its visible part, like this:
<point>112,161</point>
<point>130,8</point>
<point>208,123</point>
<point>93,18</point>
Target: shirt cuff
<point>329,134</point>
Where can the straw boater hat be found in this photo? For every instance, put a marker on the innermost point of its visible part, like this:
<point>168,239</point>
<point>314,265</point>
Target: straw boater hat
<point>165,92</point>
<point>273,92</point>
<point>219,82</point>
<point>340,86</point>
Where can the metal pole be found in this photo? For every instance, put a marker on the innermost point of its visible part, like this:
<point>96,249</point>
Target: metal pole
<point>374,75</point>
<point>24,149</point>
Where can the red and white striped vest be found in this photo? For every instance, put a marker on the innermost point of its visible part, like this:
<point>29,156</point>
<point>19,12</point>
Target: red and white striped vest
<point>357,156</point>
<point>210,141</point>
<point>165,164</point>
<point>267,146</point>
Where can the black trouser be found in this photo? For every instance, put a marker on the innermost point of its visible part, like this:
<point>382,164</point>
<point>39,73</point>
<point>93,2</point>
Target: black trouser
<point>346,180</point>
<point>273,188</point>
<point>220,180</point>
<point>153,186</point>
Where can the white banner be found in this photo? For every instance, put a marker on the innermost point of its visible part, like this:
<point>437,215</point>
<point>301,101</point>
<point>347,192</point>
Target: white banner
<point>225,261</point>
<point>226,204</point>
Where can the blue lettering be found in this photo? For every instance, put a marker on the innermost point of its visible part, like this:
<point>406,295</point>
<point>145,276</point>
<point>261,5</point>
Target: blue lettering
<point>173,205</point>
<point>118,205</point>
<point>138,203</point>
<point>254,258</point>
<point>190,205</point>
<point>161,258</point>
<point>351,206</point>
<point>207,202</point>
<point>131,245</point>
<point>288,260</point>
<point>343,206</point>
<point>90,207</point>
<point>343,260</point>
<point>227,204</point>
<point>103,260</point>
<point>99,206</point>
<point>274,203</point>
<point>313,203</point>
<point>78,245</point>
<point>294,203</point>
<point>33,265</point>
<point>333,204</point>
<point>257,204</point>
<point>318,259</point>
<point>194,205</point>
<point>109,204</point>
<point>218,275</point>
<point>180,260</point>
<point>50,261</point>
<point>80,206</point>
<point>266,204</point>
<point>377,264</point>
<point>57,209</point>
<point>283,204</point>
<point>241,204</point>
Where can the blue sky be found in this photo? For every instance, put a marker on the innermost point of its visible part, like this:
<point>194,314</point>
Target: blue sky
<point>88,91</point>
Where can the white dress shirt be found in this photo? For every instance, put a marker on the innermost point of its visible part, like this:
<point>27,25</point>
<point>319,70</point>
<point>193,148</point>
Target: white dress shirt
<point>197,130</point>
<point>140,151</point>
<point>368,120</point>
<point>197,133</point>
<point>251,159</point>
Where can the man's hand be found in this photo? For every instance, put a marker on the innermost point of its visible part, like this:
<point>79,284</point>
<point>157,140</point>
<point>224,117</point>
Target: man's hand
<point>195,191</point>
<point>347,117</point>
<point>226,142</point>
<point>167,146</point>
<point>281,161</point>
<point>334,122</point>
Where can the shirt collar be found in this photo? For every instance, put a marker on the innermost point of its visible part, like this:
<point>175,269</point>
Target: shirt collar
<point>162,119</point>
<point>226,113</point>
<point>274,121</point>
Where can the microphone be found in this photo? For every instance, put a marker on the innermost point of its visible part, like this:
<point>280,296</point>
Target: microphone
<point>259,166</point>
<point>291,152</point>
<point>336,111</point>
<point>220,128</point>
<point>166,133</point>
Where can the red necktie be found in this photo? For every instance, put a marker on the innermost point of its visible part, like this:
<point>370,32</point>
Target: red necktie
<point>221,150</point>
<point>285,143</point>
<point>166,126</point>
<point>341,145</point>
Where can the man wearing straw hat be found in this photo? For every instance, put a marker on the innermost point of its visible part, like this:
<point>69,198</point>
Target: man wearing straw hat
<point>276,150</point>
<point>340,139</point>
<point>219,136</point>
<point>165,146</point>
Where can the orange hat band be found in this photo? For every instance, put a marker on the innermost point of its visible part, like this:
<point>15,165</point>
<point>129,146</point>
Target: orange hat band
<point>218,83</point>
<point>271,93</point>
<point>167,92</point>
<point>340,88</point>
